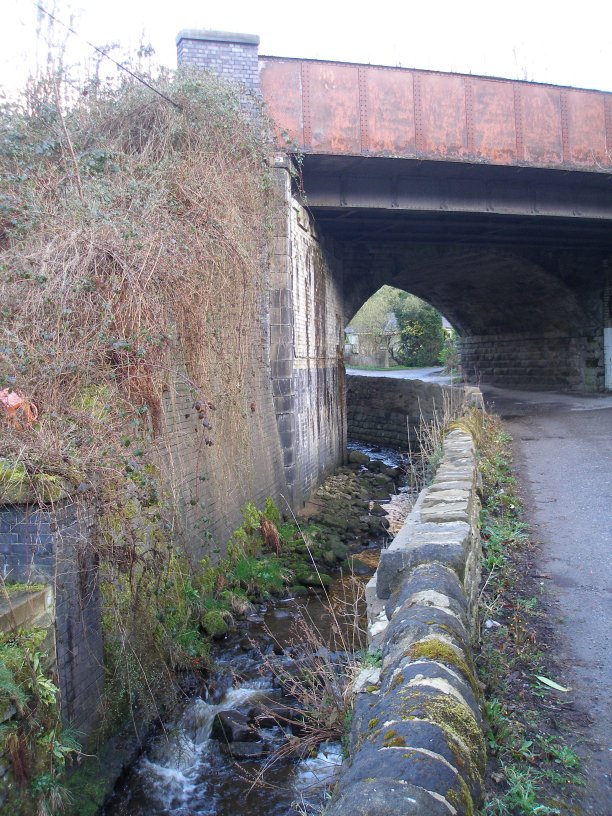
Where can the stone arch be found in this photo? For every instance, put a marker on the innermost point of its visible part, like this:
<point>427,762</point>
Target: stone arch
<point>519,322</point>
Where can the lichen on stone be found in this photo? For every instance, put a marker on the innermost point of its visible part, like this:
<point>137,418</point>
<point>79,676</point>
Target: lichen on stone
<point>441,651</point>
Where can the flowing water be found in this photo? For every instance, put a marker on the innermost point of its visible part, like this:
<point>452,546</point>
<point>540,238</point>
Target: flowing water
<point>184,771</point>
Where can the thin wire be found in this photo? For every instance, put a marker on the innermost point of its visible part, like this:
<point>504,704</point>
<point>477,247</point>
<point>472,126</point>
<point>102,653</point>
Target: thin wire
<point>104,54</point>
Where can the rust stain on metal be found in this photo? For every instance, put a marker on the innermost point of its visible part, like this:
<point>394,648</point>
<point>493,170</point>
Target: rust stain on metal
<point>418,115</point>
<point>306,112</point>
<point>392,113</point>
<point>586,122</point>
<point>285,108</point>
<point>494,122</point>
<point>541,108</point>
<point>347,109</point>
<point>444,117</point>
<point>608,115</point>
<point>469,115</point>
<point>334,108</point>
<point>518,123</point>
<point>565,139</point>
<point>363,110</point>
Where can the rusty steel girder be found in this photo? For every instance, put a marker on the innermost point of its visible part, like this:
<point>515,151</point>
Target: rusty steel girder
<point>335,108</point>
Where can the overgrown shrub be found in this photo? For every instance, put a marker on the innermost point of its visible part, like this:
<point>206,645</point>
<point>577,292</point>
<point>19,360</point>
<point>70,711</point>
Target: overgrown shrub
<point>131,238</point>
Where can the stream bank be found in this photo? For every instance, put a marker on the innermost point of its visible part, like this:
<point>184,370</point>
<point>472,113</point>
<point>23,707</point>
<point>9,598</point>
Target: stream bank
<point>207,756</point>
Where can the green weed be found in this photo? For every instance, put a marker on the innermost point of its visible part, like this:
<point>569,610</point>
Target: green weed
<point>529,760</point>
<point>521,798</point>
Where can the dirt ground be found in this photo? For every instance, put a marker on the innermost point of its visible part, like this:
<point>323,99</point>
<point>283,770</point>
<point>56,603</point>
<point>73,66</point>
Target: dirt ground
<point>563,457</point>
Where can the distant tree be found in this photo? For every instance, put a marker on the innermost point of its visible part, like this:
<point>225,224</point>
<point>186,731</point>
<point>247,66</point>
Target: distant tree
<point>421,332</point>
<point>376,321</point>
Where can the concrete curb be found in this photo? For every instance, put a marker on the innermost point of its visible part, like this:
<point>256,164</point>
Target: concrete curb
<point>417,743</point>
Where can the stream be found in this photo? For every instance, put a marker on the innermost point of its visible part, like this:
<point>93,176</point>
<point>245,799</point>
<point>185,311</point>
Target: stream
<point>209,757</point>
<point>185,771</point>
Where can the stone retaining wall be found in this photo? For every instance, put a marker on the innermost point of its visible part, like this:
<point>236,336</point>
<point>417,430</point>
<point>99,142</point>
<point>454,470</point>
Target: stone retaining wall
<point>387,411</point>
<point>544,362</point>
<point>51,546</point>
<point>417,744</point>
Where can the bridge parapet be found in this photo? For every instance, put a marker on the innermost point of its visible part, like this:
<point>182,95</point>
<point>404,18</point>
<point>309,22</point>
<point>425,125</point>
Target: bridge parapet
<point>337,108</point>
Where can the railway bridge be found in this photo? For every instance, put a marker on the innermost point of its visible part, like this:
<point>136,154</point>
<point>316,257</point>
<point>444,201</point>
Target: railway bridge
<point>489,198</point>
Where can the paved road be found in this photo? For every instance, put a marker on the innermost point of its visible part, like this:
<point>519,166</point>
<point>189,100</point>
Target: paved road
<point>426,374</point>
<point>563,451</point>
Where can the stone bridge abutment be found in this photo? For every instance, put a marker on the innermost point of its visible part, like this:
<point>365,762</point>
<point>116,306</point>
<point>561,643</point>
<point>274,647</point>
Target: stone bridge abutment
<point>513,246</point>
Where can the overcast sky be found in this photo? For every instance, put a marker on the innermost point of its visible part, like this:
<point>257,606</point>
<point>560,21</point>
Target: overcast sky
<point>537,40</point>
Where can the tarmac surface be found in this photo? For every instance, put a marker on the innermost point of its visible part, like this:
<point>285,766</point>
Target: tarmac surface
<point>563,455</point>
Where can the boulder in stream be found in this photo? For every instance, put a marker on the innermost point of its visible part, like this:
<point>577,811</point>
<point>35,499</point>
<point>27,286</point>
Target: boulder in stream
<point>233,726</point>
<point>358,458</point>
<point>248,750</point>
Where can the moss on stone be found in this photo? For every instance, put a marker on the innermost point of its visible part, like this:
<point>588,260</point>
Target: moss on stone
<point>453,717</point>
<point>373,723</point>
<point>214,623</point>
<point>457,720</point>
<point>391,739</point>
<point>130,509</point>
<point>397,681</point>
<point>14,588</point>
<point>17,486</point>
<point>394,742</point>
<point>461,800</point>
<point>440,651</point>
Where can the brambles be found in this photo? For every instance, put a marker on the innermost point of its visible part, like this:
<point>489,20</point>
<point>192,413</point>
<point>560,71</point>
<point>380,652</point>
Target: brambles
<point>131,239</point>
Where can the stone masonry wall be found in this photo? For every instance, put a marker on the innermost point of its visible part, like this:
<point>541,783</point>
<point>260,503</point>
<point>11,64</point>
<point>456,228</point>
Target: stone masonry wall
<point>543,362</point>
<point>306,345</point>
<point>417,743</point>
<point>51,547</point>
<point>387,411</point>
<point>209,485</point>
<point>231,56</point>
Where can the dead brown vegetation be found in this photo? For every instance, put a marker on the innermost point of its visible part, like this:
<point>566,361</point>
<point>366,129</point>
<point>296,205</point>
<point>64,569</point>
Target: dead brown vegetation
<point>132,235</point>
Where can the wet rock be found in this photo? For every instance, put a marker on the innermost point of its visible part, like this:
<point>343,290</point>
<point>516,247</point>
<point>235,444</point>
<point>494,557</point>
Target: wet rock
<point>358,458</point>
<point>314,579</point>
<point>272,715</point>
<point>191,684</point>
<point>233,726</point>
<point>218,685</point>
<point>377,510</point>
<point>358,567</point>
<point>215,624</point>
<point>377,526</point>
<point>248,750</point>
